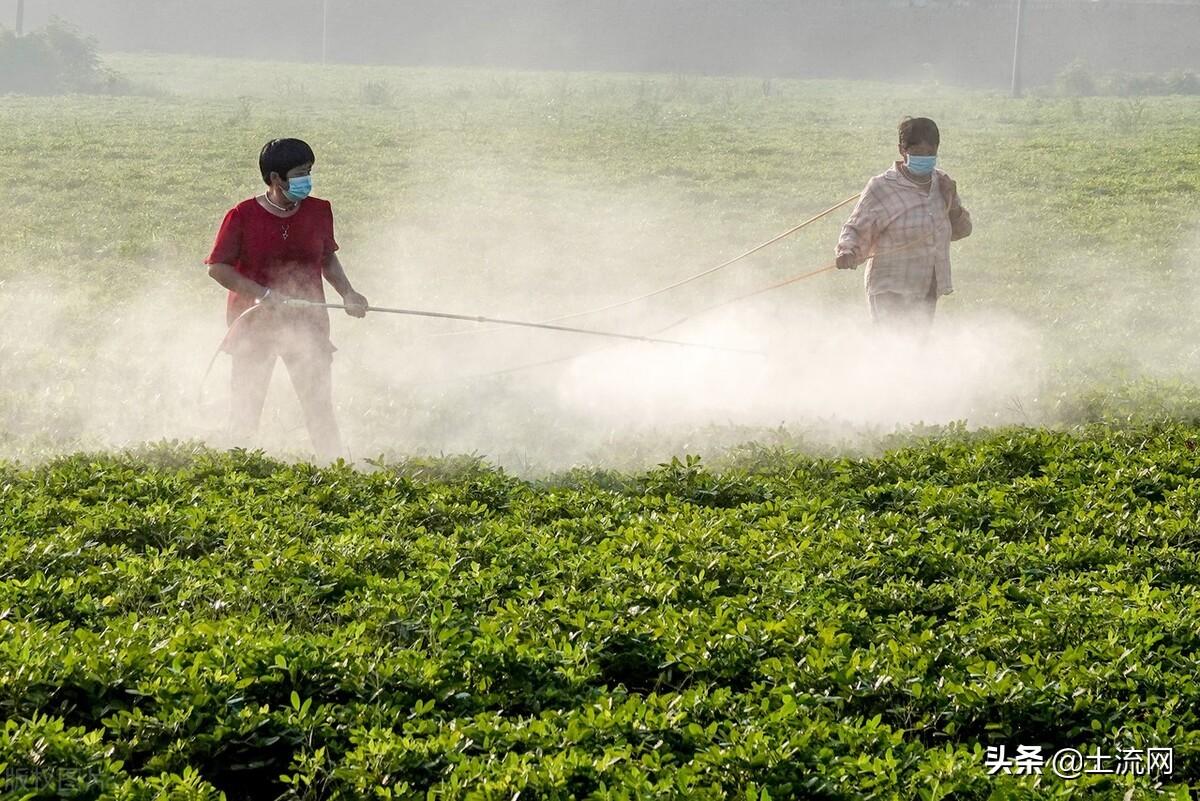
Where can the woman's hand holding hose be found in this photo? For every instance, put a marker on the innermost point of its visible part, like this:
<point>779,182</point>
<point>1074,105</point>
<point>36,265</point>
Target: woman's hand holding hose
<point>356,303</point>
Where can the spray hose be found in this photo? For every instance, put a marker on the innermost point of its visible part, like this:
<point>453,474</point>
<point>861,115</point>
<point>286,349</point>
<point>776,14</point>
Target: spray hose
<point>720,266</point>
<point>753,293</point>
<point>224,341</point>
<point>916,242</point>
<point>785,282</point>
<point>681,282</point>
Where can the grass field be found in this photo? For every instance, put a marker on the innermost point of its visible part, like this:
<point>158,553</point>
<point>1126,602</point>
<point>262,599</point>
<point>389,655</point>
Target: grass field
<point>826,606</point>
<point>1058,182</point>
<point>536,194</point>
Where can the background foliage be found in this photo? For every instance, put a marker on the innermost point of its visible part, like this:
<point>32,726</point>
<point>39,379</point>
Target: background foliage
<point>54,59</point>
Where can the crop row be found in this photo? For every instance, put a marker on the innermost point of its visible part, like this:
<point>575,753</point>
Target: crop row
<point>177,622</point>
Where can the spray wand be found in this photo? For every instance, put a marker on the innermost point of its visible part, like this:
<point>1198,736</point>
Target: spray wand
<point>523,324</point>
<point>468,317</point>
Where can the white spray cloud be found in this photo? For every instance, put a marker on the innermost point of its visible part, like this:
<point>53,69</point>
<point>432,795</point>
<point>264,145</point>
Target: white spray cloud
<point>115,374</point>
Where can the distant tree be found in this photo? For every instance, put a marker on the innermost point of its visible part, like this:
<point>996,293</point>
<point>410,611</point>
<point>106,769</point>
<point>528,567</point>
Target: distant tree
<point>54,60</point>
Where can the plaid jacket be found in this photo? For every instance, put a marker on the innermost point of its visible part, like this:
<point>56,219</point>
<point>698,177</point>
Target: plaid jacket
<point>906,230</point>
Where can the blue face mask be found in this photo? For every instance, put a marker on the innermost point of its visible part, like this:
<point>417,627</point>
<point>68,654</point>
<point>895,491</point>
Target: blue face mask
<point>921,165</point>
<point>298,188</point>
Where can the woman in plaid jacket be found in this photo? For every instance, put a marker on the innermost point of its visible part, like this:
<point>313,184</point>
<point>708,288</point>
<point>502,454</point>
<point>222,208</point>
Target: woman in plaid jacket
<point>904,223</point>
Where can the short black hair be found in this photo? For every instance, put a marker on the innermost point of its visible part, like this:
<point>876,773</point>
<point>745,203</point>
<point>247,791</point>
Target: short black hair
<point>919,130</point>
<point>282,156</point>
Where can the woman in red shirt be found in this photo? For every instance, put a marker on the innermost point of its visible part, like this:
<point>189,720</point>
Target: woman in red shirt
<point>272,247</point>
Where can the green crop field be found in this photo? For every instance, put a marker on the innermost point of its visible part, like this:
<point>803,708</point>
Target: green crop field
<point>826,605</point>
<point>177,621</point>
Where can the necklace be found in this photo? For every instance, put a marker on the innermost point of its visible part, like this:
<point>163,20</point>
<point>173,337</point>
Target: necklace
<point>274,205</point>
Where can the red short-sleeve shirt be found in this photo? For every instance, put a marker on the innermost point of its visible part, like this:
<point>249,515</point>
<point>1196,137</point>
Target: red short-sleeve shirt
<point>285,254</point>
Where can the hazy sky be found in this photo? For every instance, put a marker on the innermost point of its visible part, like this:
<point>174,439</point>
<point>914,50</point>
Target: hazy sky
<point>961,43</point>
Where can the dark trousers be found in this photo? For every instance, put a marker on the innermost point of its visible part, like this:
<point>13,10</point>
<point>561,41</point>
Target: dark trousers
<point>911,314</point>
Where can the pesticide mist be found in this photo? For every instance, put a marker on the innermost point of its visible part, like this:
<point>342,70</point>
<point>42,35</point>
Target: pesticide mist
<point>538,196</point>
<point>791,366</point>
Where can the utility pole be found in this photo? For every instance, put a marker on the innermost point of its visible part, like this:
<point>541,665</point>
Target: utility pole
<point>1016,69</point>
<point>324,30</point>
<point>20,17</point>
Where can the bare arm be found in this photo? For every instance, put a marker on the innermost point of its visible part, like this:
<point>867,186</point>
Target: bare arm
<point>227,276</point>
<point>335,274</point>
